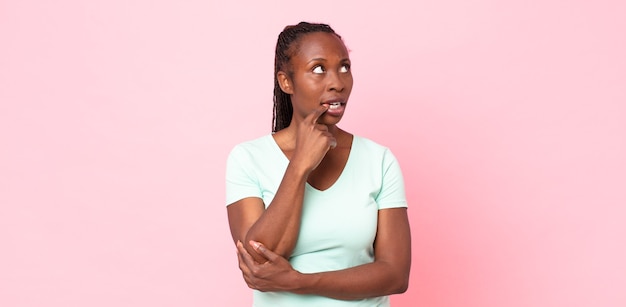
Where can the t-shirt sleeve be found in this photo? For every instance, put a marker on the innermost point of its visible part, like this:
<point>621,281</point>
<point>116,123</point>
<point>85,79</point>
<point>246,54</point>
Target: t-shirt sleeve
<point>240,179</point>
<point>392,193</point>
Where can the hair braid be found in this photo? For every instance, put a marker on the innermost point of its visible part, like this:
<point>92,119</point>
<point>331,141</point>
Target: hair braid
<point>283,110</point>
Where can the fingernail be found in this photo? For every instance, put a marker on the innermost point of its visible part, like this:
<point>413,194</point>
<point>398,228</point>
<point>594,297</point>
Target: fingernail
<point>255,244</point>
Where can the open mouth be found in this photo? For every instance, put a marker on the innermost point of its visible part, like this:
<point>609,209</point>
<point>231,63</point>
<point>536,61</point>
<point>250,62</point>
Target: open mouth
<point>334,105</point>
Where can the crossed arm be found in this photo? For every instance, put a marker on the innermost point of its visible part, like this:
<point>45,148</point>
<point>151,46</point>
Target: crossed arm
<point>265,270</point>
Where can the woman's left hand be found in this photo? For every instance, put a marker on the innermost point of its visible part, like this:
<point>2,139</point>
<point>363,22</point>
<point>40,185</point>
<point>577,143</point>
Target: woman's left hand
<point>276,274</point>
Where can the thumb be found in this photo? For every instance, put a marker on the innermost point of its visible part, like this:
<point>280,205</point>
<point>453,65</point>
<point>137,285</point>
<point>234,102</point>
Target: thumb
<point>261,249</point>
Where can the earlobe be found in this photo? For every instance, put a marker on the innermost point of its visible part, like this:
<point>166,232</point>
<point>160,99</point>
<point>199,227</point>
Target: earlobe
<point>284,82</point>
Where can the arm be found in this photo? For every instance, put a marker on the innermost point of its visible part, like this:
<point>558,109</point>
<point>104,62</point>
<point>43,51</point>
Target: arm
<point>388,274</point>
<point>278,225</point>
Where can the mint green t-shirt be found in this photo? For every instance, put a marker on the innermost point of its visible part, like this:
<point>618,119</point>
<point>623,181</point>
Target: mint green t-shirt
<point>338,225</point>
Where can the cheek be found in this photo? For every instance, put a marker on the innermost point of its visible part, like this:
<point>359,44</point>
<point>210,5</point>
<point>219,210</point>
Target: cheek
<point>309,89</point>
<point>349,82</point>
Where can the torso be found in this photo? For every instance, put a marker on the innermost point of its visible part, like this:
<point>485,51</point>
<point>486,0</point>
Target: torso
<point>339,224</point>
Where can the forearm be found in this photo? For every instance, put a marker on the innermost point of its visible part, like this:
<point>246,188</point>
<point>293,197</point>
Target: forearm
<point>388,274</point>
<point>364,281</point>
<point>279,225</point>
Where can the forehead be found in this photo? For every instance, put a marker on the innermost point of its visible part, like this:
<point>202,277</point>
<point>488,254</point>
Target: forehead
<point>320,45</point>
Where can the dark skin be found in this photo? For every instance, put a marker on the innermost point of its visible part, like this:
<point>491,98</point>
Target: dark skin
<point>318,150</point>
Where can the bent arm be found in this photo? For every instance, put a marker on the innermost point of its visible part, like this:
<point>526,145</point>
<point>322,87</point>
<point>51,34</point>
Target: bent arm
<point>278,225</point>
<point>388,274</point>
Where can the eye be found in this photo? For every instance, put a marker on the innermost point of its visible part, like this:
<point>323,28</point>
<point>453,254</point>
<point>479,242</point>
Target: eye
<point>318,69</point>
<point>345,68</point>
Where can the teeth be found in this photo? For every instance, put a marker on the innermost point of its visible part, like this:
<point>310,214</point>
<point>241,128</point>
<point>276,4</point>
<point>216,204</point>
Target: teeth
<point>334,105</point>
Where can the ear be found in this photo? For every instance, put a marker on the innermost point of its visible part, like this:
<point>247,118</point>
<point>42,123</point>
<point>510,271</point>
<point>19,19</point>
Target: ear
<point>284,82</point>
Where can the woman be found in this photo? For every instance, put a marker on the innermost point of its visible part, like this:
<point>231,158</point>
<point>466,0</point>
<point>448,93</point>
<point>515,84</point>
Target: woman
<point>318,214</point>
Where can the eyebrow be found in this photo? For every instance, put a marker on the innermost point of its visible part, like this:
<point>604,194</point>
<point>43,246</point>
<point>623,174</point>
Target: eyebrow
<point>317,60</point>
<point>324,60</point>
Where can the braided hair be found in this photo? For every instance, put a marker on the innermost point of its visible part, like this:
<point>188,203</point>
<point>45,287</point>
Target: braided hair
<point>283,110</point>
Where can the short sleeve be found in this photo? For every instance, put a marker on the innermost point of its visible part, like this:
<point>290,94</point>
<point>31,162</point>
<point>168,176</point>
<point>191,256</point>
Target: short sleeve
<point>392,194</point>
<point>241,181</point>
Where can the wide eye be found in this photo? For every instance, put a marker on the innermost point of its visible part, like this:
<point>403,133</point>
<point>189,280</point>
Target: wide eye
<point>318,69</point>
<point>344,68</point>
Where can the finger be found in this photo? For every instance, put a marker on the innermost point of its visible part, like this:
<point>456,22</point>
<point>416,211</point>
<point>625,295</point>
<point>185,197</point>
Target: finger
<point>242,263</point>
<point>246,271</point>
<point>315,115</point>
<point>245,256</point>
<point>332,141</point>
<point>261,249</point>
<point>321,127</point>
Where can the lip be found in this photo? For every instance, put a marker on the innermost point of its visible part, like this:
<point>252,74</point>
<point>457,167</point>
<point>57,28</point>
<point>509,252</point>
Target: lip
<point>336,111</point>
<point>335,99</point>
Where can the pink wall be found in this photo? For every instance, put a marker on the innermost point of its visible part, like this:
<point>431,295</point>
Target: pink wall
<point>508,118</point>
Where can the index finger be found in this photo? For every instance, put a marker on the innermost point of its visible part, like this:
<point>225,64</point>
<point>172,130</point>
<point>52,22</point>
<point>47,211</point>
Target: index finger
<point>315,115</point>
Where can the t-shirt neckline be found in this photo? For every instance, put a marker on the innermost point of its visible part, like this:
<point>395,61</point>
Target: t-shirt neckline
<point>307,185</point>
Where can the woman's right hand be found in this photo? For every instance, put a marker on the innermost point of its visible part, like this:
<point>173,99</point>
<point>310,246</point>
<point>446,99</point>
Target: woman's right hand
<point>275,274</point>
<point>313,140</point>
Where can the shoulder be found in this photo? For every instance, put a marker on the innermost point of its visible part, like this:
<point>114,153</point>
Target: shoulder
<point>260,144</point>
<point>367,149</point>
<point>250,153</point>
<point>369,146</point>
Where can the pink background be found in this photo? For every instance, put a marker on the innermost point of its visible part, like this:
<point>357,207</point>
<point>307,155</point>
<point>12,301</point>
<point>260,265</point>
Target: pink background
<point>508,118</point>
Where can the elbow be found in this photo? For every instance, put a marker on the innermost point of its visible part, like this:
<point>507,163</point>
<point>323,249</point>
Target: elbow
<point>401,286</point>
<point>397,279</point>
<point>276,248</point>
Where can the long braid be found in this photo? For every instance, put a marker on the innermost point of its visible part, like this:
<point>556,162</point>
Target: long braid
<point>283,110</point>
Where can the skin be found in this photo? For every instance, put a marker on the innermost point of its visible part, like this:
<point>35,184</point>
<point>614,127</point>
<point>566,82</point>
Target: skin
<point>318,151</point>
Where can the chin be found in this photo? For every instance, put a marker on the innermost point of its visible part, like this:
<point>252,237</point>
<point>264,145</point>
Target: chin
<point>329,121</point>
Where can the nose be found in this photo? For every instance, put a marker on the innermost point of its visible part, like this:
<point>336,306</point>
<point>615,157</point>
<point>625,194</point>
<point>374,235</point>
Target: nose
<point>336,82</point>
